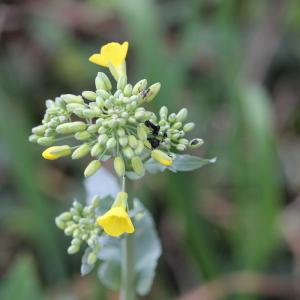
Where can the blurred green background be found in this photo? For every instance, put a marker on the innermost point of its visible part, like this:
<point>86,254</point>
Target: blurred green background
<point>230,230</point>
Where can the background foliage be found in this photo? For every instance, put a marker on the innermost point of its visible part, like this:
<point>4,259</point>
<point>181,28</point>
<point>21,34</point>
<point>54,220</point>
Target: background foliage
<point>230,230</point>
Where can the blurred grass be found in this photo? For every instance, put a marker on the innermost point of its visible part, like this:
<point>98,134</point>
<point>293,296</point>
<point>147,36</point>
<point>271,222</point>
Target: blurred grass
<point>200,51</point>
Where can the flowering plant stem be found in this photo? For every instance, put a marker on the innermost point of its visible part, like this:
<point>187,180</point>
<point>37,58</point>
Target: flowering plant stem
<point>127,273</point>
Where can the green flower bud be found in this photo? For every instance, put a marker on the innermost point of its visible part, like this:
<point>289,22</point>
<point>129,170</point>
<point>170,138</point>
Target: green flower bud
<point>76,241</point>
<point>196,143</point>
<point>141,133</point>
<point>121,132</point>
<point>96,150</point>
<point>92,258</point>
<point>66,216</point>
<point>68,98</point>
<point>128,90</point>
<point>180,147</point>
<point>111,143</point>
<point>102,82</point>
<point>103,94</point>
<point>128,152</point>
<point>81,151</point>
<point>162,157</point>
<point>71,127</point>
<point>89,95</point>
<point>163,112</point>
<point>184,141</point>
<point>100,101</point>
<point>60,223</point>
<point>92,168</point>
<point>45,141</point>
<point>73,249</point>
<point>132,141</point>
<point>72,107</point>
<point>33,138</point>
<point>123,141</point>
<point>88,113</point>
<point>113,123</point>
<point>82,136</point>
<point>122,81</point>
<point>182,115</point>
<point>131,120</point>
<point>137,165</point>
<point>119,166</point>
<point>177,125</point>
<point>188,127</point>
<point>139,86</point>
<point>140,115</point>
<point>140,148</point>
<point>95,202</point>
<point>150,93</point>
<point>93,128</point>
<point>172,118</point>
<point>102,139</point>
<point>39,130</point>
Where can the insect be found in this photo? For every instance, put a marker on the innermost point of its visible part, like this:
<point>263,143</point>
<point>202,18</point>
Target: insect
<point>154,139</point>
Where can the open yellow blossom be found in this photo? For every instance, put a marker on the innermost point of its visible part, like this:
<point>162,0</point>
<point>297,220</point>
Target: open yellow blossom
<point>56,152</point>
<point>112,56</point>
<point>162,157</point>
<point>117,221</point>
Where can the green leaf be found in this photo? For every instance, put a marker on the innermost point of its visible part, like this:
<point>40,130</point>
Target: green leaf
<point>21,282</point>
<point>189,162</point>
<point>85,267</point>
<point>147,250</point>
<point>184,162</point>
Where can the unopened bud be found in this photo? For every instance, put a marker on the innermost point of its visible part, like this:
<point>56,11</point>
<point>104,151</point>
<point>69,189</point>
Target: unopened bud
<point>96,150</point>
<point>182,114</point>
<point>123,141</point>
<point>151,92</point>
<point>128,152</point>
<point>188,127</point>
<point>111,143</point>
<point>161,157</point>
<point>137,165</point>
<point>92,258</point>
<point>39,130</point>
<point>141,132</point>
<point>56,152</point>
<point>140,148</point>
<point>132,141</point>
<point>180,147</point>
<point>119,166</point>
<point>73,249</point>
<point>139,86</point>
<point>69,98</point>
<point>71,127</point>
<point>102,139</point>
<point>89,95</point>
<point>81,151</point>
<point>92,168</point>
<point>122,81</point>
<point>45,141</point>
<point>196,143</point>
<point>128,90</point>
<point>82,136</point>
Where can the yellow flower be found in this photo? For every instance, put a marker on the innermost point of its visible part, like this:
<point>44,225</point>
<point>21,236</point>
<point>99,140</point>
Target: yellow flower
<point>162,157</point>
<point>112,56</point>
<point>117,221</point>
<point>56,152</point>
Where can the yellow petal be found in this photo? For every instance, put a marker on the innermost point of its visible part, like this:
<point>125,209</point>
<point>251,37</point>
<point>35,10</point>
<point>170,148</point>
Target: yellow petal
<point>111,53</point>
<point>116,222</point>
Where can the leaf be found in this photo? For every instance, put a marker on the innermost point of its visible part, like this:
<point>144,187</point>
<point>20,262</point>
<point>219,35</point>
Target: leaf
<point>184,162</point>
<point>85,267</point>
<point>153,167</point>
<point>188,162</point>
<point>147,250</point>
<point>21,282</point>
<point>134,176</point>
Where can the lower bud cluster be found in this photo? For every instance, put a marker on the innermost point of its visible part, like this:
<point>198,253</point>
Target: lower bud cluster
<point>106,124</point>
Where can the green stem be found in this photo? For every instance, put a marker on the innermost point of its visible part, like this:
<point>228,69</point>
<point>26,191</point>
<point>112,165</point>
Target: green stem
<point>127,265</point>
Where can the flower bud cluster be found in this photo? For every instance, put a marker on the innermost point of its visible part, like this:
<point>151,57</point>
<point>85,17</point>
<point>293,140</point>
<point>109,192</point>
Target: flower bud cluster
<point>80,223</point>
<point>108,124</point>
